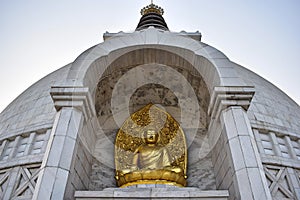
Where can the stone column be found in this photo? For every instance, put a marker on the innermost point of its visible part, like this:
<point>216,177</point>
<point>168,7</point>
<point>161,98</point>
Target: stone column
<point>74,107</point>
<point>240,168</point>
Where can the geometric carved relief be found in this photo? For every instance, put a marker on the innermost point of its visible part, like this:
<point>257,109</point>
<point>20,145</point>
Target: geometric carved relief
<point>279,182</point>
<point>4,175</point>
<point>26,181</point>
<point>267,144</point>
<point>296,147</point>
<point>286,145</point>
<point>6,149</point>
<point>297,173</point>
<point>283,146</point>
<point>23,145</point>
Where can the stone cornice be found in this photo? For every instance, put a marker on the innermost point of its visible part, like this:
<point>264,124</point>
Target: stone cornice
<point>77,97</point>
<point>226,96</point>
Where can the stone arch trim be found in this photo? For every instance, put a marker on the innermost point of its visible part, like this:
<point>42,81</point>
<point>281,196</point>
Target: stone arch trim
<point>212,65</point>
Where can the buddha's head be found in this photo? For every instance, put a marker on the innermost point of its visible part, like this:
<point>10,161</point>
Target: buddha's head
<point>151,136</point>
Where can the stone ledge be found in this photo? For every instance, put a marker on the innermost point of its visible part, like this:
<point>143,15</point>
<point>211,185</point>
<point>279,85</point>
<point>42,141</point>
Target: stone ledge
<point>226,96</point>
<point>152,193</point>
<point>72,96</point>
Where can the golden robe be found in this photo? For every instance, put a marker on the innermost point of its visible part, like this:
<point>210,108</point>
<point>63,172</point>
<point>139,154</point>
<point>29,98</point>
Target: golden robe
<point>152,157</point>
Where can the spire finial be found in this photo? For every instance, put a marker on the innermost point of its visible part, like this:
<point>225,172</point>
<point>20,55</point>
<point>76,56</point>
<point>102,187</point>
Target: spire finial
<point>152,8</point>
<point>152,16</point>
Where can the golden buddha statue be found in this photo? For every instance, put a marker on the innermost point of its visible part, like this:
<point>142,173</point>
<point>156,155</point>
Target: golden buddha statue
<point>151,156</point>
<point>145,154</point>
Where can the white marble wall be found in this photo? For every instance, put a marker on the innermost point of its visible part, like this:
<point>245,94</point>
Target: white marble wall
<point>33,109</point>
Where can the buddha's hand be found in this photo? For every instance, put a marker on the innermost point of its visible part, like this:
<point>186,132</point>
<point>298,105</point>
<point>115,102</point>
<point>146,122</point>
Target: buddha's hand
<point>174,169</point>
<point>134,168</point>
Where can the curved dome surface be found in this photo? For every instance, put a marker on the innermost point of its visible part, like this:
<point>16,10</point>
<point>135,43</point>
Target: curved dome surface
<point>270,106</point>
<point>33,109</point>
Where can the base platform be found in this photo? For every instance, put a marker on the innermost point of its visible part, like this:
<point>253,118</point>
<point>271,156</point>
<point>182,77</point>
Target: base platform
<point>152,193</point>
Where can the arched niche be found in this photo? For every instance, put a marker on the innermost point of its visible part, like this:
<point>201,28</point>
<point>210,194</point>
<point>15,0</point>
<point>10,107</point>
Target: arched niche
<point>153,58</point>
<point>120,66</point>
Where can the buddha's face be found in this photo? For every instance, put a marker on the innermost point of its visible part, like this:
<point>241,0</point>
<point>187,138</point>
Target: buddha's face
<point>151,137</point>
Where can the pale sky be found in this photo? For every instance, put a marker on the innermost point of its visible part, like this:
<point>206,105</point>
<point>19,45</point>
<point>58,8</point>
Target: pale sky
<point>38,37</point>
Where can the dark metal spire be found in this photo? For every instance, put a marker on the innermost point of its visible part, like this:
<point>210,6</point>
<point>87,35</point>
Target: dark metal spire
<point>152,16</point>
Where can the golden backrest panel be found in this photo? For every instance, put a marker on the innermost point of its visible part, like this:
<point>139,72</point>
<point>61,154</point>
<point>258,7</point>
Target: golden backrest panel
<point>131,138</point>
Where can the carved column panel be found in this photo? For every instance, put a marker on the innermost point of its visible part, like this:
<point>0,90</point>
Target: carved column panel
<point>74,107</point>
<point>236,159</point>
